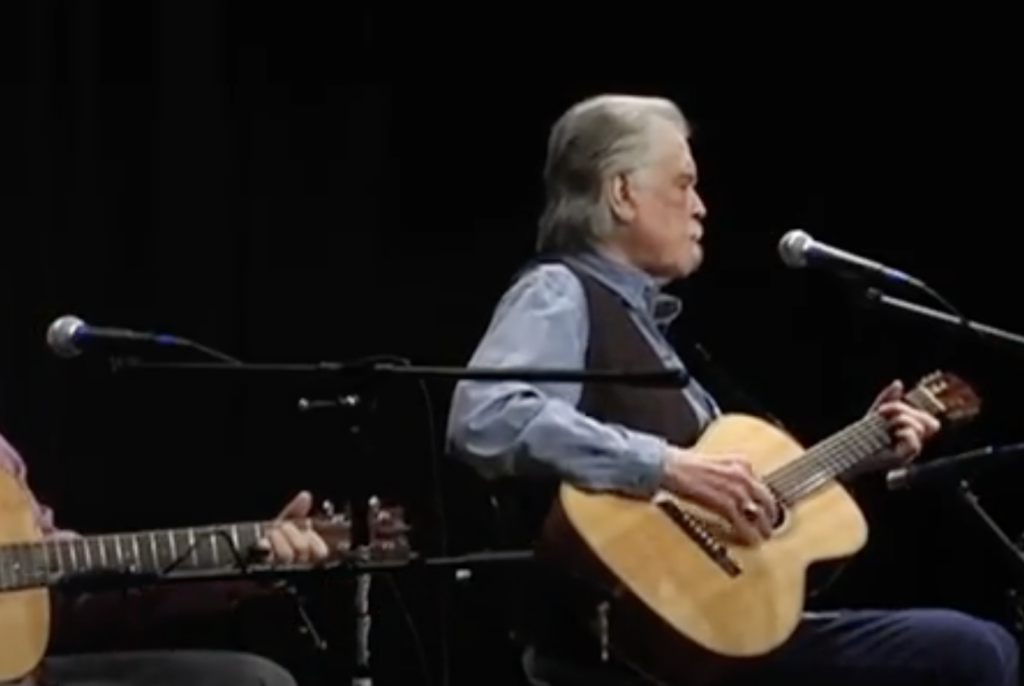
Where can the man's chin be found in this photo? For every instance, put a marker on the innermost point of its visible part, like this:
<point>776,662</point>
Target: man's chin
<point>690,263</point>
<point>673,272</point>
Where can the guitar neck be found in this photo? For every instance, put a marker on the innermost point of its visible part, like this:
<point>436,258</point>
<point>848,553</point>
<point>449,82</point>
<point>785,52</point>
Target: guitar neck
<point>27,565</point>
<point>839,454</point>
<point>834,457</point>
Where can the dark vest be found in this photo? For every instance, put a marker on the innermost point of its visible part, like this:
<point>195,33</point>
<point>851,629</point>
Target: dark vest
<point>615,344</point>
<point>549,615</point>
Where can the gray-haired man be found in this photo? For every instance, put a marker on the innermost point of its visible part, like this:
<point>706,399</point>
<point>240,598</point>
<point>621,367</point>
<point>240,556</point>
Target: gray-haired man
<point>623,218</point>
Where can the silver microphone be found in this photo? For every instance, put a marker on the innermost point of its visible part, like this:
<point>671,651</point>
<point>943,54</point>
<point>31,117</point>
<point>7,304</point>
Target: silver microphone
<point>60,337</point>
<point>798,250</point>
<point>68,336</point>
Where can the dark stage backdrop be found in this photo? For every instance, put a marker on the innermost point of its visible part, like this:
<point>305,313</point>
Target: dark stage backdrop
<point>308,183</point>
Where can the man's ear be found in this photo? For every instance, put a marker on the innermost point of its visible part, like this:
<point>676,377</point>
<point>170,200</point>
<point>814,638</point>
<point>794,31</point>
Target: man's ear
<point>619,192</point>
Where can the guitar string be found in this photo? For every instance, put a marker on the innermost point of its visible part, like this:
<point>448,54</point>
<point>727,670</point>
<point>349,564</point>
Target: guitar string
<point>832,451</point>
<point>833,457</point>
<point>811,471</point>
<point>37,562</point>
<point>830,458</point>
<point>825,462</point>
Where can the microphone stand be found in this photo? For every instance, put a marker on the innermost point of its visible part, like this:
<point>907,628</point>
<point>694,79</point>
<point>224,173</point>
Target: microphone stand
<point>965,494</point>
<point>462,567</point>
<point>1010,551</point>
<point>990,333</point>
<point>369,376</point>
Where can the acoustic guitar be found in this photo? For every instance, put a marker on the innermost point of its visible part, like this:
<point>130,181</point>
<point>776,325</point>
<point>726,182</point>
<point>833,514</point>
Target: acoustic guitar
<point>673,574</point>
<point>29,564</point>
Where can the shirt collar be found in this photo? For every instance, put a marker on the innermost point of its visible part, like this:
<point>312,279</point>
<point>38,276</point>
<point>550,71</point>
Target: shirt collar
<point>638,289</point>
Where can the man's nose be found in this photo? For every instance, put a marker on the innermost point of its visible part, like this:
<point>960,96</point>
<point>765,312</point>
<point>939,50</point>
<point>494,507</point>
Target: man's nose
<point>700,210</point>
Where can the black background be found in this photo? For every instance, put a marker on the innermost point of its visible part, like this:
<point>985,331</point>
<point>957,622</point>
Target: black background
<point>324,183</point>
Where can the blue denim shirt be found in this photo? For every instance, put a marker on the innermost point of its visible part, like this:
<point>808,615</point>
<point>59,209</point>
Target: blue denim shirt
<point>514,428</point>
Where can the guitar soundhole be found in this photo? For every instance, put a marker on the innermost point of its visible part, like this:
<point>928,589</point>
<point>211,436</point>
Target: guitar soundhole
<point>781,517</point>
<point>782,514</point>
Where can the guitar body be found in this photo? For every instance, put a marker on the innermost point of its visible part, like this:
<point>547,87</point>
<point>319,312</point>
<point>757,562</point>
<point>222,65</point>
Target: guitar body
<point>666,591</point>
<point>24,614</point>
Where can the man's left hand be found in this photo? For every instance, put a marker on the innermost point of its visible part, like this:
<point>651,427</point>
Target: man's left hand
<point>292,539</point>
<point>910,426</point>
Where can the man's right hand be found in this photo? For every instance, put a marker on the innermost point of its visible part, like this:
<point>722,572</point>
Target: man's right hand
<point>727,486</point>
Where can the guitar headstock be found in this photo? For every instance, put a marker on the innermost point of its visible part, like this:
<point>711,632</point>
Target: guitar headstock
<point>388,532</point>
<point>336,531</point>
<point>946,396</point>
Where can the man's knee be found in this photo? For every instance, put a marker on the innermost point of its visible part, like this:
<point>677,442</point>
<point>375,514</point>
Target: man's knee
<point>194,668</point>
<point>253,670</point>
<point>966,649</point>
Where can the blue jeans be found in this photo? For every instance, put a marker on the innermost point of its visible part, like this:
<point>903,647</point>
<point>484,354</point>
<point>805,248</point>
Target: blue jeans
<point>856,648</point>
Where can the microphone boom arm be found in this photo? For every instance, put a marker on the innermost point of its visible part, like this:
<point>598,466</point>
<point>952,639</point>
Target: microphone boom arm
<point>356,370</point>
<point>877,298</point>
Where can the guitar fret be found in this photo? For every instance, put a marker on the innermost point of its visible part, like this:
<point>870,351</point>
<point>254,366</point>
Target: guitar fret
<point>10,569</point>
<point>184,553</point>
<point>253,532</point>
<point>37,559</point>
<point>199,543</point>
<point>95,548</point>
<point>18,568</point>
<point>188,555</point>
<point>111,559</point>
<point>220,553</point>
<point>64,558</point>
<point>22,569</point>
<point>162,549</point>
<point>143,560</point>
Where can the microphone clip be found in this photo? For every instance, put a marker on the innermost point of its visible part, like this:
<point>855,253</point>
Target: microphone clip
<point>342,402</point>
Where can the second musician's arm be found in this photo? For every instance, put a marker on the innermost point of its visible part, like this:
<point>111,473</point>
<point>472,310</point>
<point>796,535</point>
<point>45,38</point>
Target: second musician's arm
<point>522,429</point>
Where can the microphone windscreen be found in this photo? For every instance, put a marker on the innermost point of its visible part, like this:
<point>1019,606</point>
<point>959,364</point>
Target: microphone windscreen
<point>793,248</point>
<point>60,337</point>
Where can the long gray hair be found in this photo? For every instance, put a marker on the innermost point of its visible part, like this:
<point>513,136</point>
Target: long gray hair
<point>596,140</point>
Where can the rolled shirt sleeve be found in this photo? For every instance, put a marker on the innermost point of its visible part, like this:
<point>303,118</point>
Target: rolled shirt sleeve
<point>518,429</point>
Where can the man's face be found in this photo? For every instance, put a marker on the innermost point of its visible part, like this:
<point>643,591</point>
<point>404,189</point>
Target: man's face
<point>661,211</point>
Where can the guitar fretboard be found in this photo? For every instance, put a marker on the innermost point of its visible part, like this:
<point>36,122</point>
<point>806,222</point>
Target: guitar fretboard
<point>146,552</point>
<point>837,455</point>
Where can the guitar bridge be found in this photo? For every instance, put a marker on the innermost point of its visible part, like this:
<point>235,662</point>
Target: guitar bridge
<point>700,535</point>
